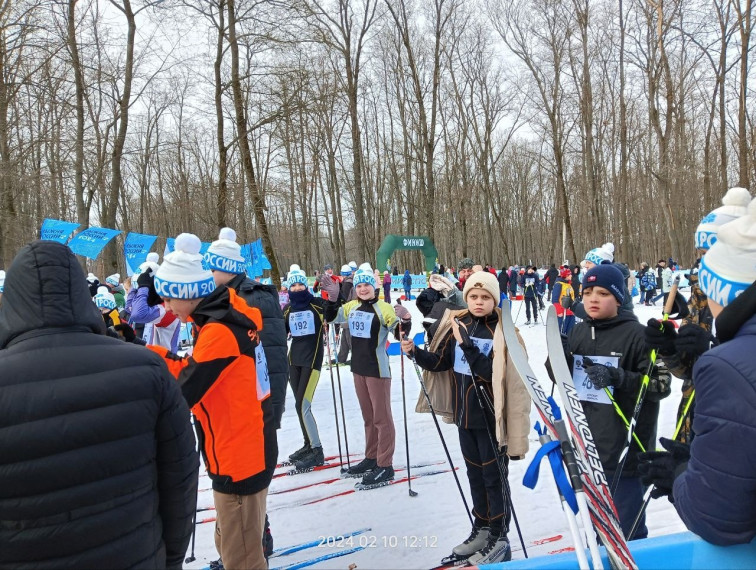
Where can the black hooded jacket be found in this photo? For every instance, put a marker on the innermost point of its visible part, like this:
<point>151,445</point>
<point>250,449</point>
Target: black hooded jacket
<point>273,336</point>
<point>97,461</point>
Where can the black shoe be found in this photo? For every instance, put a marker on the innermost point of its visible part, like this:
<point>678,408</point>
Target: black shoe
<point>216,564</point>
<point>379,475</point>
<point>300,453</point>
<point>313,459</point>
<point>362,468</point>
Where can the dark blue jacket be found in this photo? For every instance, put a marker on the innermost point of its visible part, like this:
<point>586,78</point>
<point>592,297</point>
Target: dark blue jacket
<point>530,283</point>
<point>407,280</point>
<point>716,495</point>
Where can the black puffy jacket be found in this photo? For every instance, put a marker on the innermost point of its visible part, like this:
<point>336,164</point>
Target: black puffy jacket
<point>620,336</point>
<point>97,461</point>
<point>273,336</point>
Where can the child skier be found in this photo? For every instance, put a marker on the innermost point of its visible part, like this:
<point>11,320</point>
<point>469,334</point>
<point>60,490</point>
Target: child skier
<point>370,320</point>
<point>608,351</point>
<point>304,317</point>
<point>469,343</point>
<point>530,283</point>
<point>562,297</point>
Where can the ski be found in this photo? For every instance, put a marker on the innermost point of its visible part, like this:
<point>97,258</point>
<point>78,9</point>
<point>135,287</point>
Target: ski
<point>353,490</point>
<point>453,561</point>
<point>601,507</point>
<point>288,463</point>
<point>323,540</point>
<point>318,559</point>
<point>603,512</point>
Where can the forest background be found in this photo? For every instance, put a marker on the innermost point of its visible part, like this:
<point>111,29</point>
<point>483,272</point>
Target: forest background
<point>510,131</point>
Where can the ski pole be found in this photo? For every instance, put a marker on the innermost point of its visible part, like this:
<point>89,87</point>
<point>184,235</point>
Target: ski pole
<point>443,441</point>
<point>333,391</point>
<point>546,439</point>
<point>499,459</point>
<point>406,433</point>
<point>642,392</point>
<point>343,416</point>
<point>191,557</point>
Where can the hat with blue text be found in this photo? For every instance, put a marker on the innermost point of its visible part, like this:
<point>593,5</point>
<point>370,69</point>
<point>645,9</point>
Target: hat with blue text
<point>729,267</point>
<point>734,205</point>
<point>182,276</point>
<point>224,254</point>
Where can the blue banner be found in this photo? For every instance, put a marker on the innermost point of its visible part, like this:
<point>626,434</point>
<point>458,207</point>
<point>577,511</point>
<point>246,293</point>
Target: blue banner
<point>91,241</point>
<point>418,281</point>
<point>135,250</point>
<point>57,230</point>
<point>169,245</point>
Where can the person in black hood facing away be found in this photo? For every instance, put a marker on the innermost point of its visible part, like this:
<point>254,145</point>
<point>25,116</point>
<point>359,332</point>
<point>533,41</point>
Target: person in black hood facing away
<point>98,469</point>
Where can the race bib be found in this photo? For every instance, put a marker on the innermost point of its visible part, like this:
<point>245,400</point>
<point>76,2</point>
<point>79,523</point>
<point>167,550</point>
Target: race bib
<point>263,378</point>
<point>461,365</point>
<point>360,322</point>
<point>302,323</point>
<point>585,389</point>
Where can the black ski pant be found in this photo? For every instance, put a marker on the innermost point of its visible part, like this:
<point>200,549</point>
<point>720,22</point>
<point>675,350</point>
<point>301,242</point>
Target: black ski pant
<point>303,382</point>
<point>531,301</point>
<point>489,507</point>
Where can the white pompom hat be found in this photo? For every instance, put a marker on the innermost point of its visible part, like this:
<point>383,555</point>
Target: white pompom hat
<point>104,299</point>
<point>600,254</point>
<point>734,205</point>
<point>224,254</point>
<point>181,276</point>
<point>729,267</point>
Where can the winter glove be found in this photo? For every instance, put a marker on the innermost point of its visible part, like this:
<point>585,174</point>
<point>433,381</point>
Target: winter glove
<point>692,341</point>
<point>127,333</point>
<point>603,376</point>
<point>660,468</point>
<point>332,287</point>
<point>466,342</point>
<point>659,383</point>
<point>145,280</point>
<point>661,336</point>
<point>440,283</point>
<point>566,301</point>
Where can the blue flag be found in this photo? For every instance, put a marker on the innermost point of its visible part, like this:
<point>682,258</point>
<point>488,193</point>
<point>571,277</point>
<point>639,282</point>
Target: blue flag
<point>57,230</point>
<point>91,241</point>
<point>135,249</point>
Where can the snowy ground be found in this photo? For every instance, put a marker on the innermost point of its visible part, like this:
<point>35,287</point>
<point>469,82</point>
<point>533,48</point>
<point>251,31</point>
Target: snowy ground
<point>410,532</point>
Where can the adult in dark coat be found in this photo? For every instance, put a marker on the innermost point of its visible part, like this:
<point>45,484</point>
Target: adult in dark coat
<point>552,274</point>
<point>503,280</point>
<point>97,461</point>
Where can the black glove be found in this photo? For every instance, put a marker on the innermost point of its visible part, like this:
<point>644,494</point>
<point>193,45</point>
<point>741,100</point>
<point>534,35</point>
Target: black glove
<point>602,376</point>
<point>145,280</point>
<point>466,342</point>
<point>661,336</point>
<point>127,333</point>
<point>566,301</point>
<point>659,468</point>
<point>693,341</point>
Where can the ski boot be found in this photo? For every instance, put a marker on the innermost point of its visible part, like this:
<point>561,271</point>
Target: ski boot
<point>477,540</point>
<point>497,550</point>
<point>362,468</point>
<point>378,477</point>
<point>300,453</point>
<point>313,459</point>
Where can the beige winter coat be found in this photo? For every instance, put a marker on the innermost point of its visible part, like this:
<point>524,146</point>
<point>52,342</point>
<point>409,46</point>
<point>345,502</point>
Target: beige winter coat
<point>511,398</point>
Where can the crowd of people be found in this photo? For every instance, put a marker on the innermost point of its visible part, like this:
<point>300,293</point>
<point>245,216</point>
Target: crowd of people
<point>99,468</point>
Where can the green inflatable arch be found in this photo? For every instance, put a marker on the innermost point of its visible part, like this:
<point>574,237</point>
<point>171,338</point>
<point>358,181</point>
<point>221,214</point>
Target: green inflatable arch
<point>392,242</point>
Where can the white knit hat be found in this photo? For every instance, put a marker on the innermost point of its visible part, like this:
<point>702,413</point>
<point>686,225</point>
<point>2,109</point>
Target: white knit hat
<point>153,257</point>
<point>364,276</point>
<point>365,267</point>
<point>149,267</point>
<point>181,276</point>
<point>104,299</point>
<point>600,254</point>
<point>224,254</point>
<point>297,276</point>
<point>346,270</point>
<point>353,265</point>
<point>294,267</point>
<point>91,278</point>
<point>734,205</point>
<point>2,280</point>
<point>729,267</point>
<point>113,280</point>
<point>482,280</point>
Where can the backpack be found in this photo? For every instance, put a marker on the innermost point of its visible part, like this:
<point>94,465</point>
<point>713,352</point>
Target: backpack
<point>648,281</point>
<point>566,292</point>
